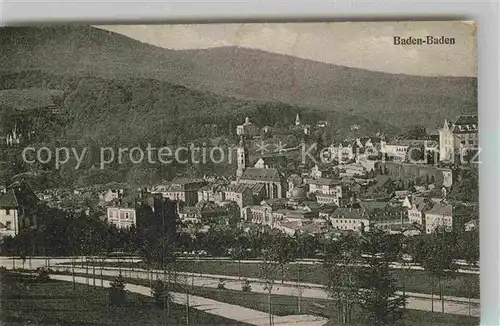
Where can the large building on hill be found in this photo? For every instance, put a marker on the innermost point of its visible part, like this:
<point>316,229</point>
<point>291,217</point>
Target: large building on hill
<point>247,129</point>
<point>399,149</point>
<point>458,137</point>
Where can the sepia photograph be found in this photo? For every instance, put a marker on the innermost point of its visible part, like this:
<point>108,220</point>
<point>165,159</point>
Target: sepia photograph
<point>268,174</point>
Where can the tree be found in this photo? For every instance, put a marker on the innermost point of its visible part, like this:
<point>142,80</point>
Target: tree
<point>238,254</point>
<point>415,132</point>
<point>159,294</point>
<point>469,247</point>
<point>378,298</point>
<point>340,257</point>
<point>283,251</point>
<point>117,294</point>
<point>268,270</point>
<point>438,260</point>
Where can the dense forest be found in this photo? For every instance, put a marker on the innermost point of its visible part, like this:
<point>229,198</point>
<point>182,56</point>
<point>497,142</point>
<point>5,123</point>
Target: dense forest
<point>93,113</point>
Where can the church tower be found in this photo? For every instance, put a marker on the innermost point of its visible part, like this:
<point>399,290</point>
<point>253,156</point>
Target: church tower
<point>242,158</point>
<point>297,120</point>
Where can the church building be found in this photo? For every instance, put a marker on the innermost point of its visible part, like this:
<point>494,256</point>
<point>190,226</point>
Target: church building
<point>272,179</point>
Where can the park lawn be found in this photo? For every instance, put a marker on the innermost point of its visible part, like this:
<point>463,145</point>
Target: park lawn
<point>419,318</point>
<point>462,285</point>
<point>288,305</point>
<point>25,301</point>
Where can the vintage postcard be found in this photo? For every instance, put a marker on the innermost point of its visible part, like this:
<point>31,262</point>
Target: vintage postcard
<point>240,174</point>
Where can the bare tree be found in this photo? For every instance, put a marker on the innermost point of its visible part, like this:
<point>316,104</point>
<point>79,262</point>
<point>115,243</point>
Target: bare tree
<point>269,271</point>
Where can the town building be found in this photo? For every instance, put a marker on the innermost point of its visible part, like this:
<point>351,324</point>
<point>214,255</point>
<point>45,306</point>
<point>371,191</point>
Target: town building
<point>17,209</point>
<point>9,210</point>
<point>318,172</point>
<point>274,182</point>
<point>181,189</point>
<point>416,173</point>
<point>247,129</point>
<point>351,219</point>
<point>343,152</point>
<point>120,214</point>
<point>472,225</point>
<point>398,150</point>
<point>259,214</point>
<point>212,193</point>
<point>271,161</point>
<point>205,212</point>
<point>306,129</point>
<point>365,215</point>
<point>458,138</point>
<point>329,191</point>
<point>110,195</point>
<point>440,216</point>
<point>13,137</point>
<point>418,208</point>
<point>241,194</point>
<point>294,181</point>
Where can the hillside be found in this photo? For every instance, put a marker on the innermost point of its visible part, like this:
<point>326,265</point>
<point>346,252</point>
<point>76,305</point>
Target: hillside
<point>31,98</point>
<point>240,72</point>
<point>140,111</point>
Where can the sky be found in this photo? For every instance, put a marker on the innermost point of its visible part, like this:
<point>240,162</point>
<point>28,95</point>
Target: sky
<point>367,45</point>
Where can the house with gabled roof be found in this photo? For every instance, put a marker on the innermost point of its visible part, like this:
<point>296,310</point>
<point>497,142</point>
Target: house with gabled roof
<point>17,208</point>
<point>440,216</point>
<point>458,137</point>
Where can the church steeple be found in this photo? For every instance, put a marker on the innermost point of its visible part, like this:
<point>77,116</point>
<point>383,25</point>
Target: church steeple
<point>446,125</point>
<point>242,158</point>
<point>297,120</point>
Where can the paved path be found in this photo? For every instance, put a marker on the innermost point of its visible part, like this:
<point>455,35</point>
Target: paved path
<point>226,310</point>
<point>41,261</point>
<point>417,301</point>
<point>36,262</point>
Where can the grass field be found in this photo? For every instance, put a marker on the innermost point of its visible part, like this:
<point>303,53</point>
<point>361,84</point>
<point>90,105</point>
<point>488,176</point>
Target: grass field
<point>29,302</point>
<point>461,285</point>
<point>288,305</point>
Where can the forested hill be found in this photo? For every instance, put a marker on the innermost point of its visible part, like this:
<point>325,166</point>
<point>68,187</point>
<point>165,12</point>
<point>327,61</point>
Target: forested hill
<point>240,72</point>
<point>136,111</point>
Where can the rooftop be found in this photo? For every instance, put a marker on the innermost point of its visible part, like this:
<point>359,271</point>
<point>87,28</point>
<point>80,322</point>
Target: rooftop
<point>8,200</point>
<point>264,175</point>
<point>184,181</point>
<point>466,120</point>
<point>440,209</point>
<point>323,182</point>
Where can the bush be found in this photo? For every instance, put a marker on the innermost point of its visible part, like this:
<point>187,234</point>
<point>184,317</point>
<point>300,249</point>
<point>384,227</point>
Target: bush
<point>222,284</point>
<point>245,286</point>
<point>42,275</point>
<point>117,295</point>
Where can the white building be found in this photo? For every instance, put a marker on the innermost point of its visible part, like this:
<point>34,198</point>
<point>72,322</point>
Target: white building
<point>458,138</point>
<point>418,207</point>
<point>17,209</point>
<point>398,149</point>
<point>247,129</point>
<point>439,216</point>
<point>9,215</point>
<point>110,195</point>
<point>121,216</point>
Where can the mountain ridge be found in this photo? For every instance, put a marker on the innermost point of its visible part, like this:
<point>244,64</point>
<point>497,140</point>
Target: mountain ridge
<point>242,73</point>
